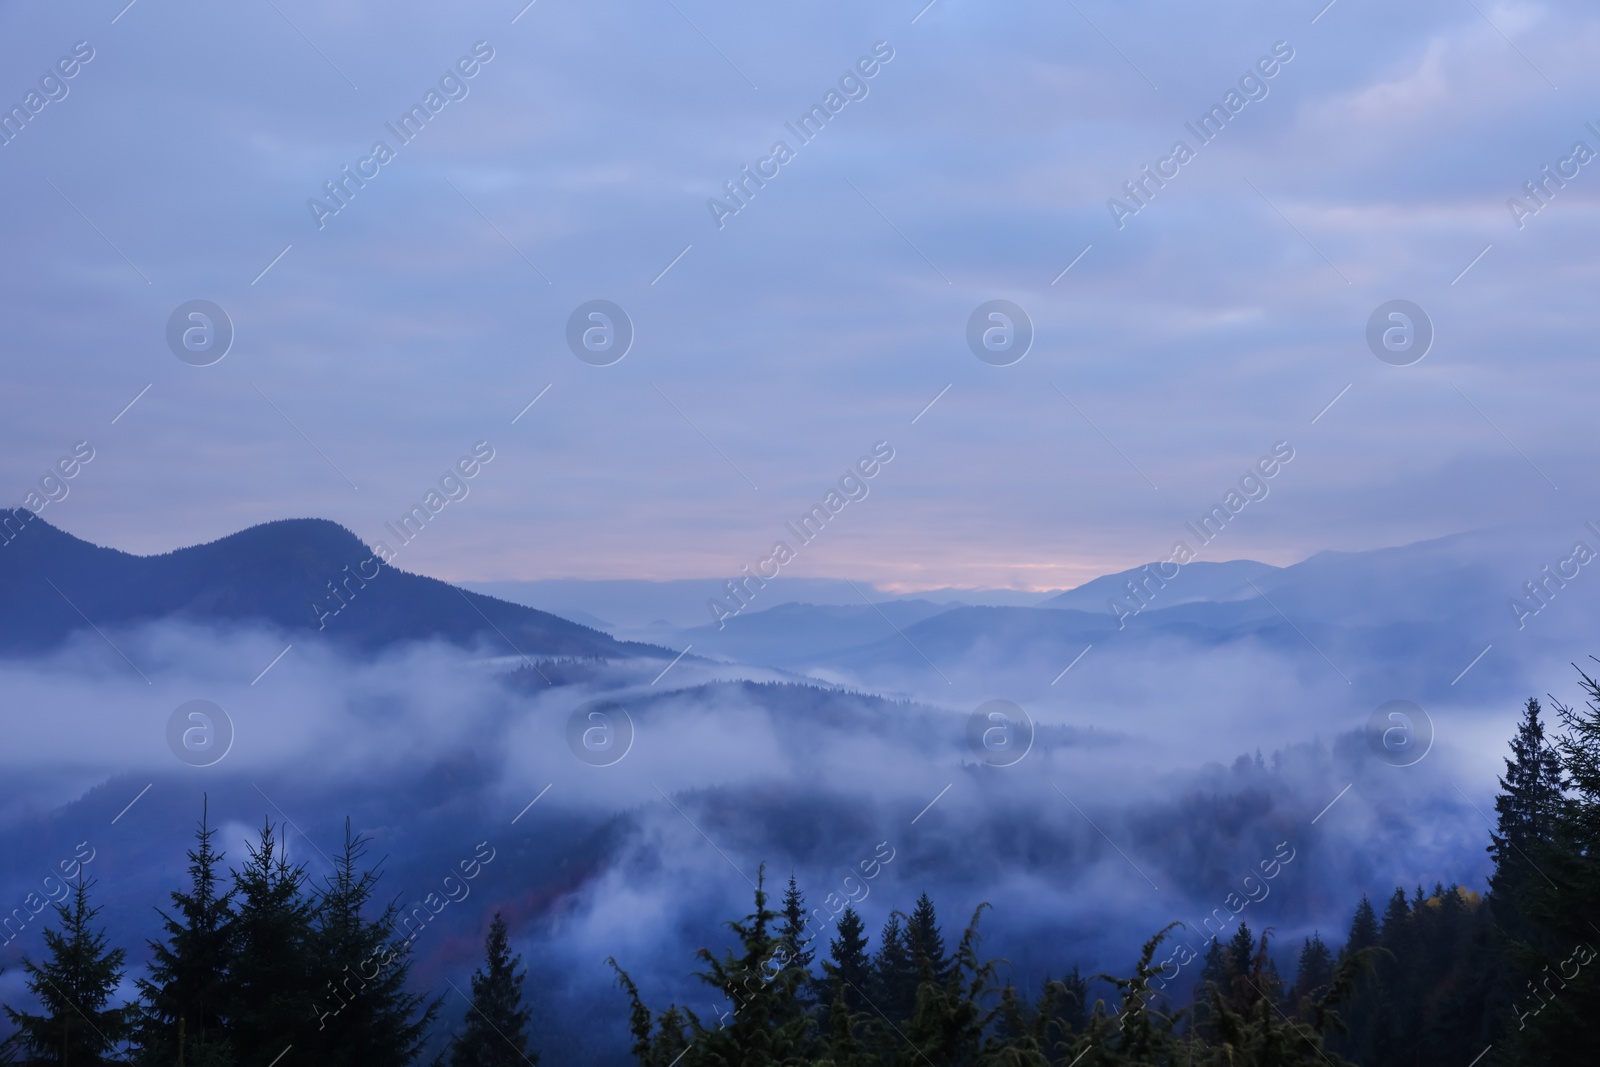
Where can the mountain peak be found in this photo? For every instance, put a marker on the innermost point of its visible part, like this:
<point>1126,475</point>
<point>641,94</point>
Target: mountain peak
<point>304,576</point>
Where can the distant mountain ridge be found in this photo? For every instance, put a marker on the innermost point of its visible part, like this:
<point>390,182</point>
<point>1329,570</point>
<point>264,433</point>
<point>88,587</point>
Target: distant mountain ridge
<point>1406,619</point>
<point>302,576</point>
<point>1198,581</point>
<point>680,603</point>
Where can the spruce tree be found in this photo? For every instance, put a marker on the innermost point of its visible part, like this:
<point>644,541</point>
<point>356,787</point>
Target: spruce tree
<point>1456,969</point>
<point>954,1012</point>
<point>74,986</point>
<point>1398,1019</point>
<point>1258,1033</point>
<point>764,1030</point>
<point>1526,813</point>
<point>1250,974</point>
<point>1312,975</point>
<point>360,965</point>
<point>1556,983</point>
<point>1240,950</point>
<point>1394,1010</point>
<point>894,975</point>
<point>844,1049</point>
<point>925,943</point>
<point>847,973</point>
<point>273,998</point>
<point>971,1020</point>
<point>797,951</point>
<point>1363,928</point>
<point>1213,973</point>
<point>1071,1001</point>
<point>496,1033</point>
<point>1138,1031</point>
<point>668,1044</point>
<point>1366,1000</point>
<point>185,994</point>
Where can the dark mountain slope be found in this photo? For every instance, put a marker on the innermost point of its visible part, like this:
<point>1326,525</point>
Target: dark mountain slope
<point>279,573</point>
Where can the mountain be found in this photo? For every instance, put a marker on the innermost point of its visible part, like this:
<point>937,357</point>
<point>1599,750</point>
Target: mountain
<point>793,636</point>
<point>1403,621</point>
<point>283,574</point>
<point>1197,581</point>
<point>659,610</point>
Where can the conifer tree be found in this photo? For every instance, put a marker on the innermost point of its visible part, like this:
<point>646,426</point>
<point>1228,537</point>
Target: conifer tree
<point>795,952</point>
<point>1363,928</point>
<point>1313,974</point>
<point>970,1020</point>
<point>1556,982</point>
<point>1138,1031</point>
<point>1023,1034</point>
<point>1460,969</point>
<point>1069,1001</point>
<point>1396,1015</point>
<point>1259,1034</point>
<point>658,1041</point>
<point>1213,972</point>
<point>847,973</point>
<point>1527,810</point>
<point>272,995</point>
<point>74,986</point>
<point>796,949</point>
<point>1248,975</point>
<point>670,1045</point>
<point>925,943</point>
<point>1240,950</point>
<point>894,975</point>
<point>844,1048</point>
<point>954,1011</point>
<point>360,966</point>
<point>185,995</point>
<point>496,1033</point>
<point>760,1031</point>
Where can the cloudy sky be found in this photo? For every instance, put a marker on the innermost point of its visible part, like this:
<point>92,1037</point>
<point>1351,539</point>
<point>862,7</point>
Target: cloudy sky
<point>773,347</point>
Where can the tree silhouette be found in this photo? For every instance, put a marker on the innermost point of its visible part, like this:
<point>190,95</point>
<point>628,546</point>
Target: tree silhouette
<point>362,965</point>
<point>1312,975</point>
<point>184,998</point>
<point>894,974</point>
<point>74,986</point>
<point>1556,979</point>
<point>496,1033</point>
<point>1527,812</point>
<point>847,973</point>
<point>273,984</point>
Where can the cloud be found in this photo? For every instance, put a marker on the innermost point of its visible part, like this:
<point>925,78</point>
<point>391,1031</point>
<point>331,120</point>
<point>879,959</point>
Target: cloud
<point>417,321</point>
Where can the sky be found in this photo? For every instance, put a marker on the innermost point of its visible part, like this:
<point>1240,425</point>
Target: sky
<point>1173,346</point>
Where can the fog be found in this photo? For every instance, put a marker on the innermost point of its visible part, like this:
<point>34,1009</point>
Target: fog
<point>1140,801</point>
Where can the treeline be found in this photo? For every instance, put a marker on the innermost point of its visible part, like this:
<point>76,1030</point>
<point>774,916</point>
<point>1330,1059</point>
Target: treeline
<point>912,1002</point>
<point>1503,979</point>
<point>258,965</point>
